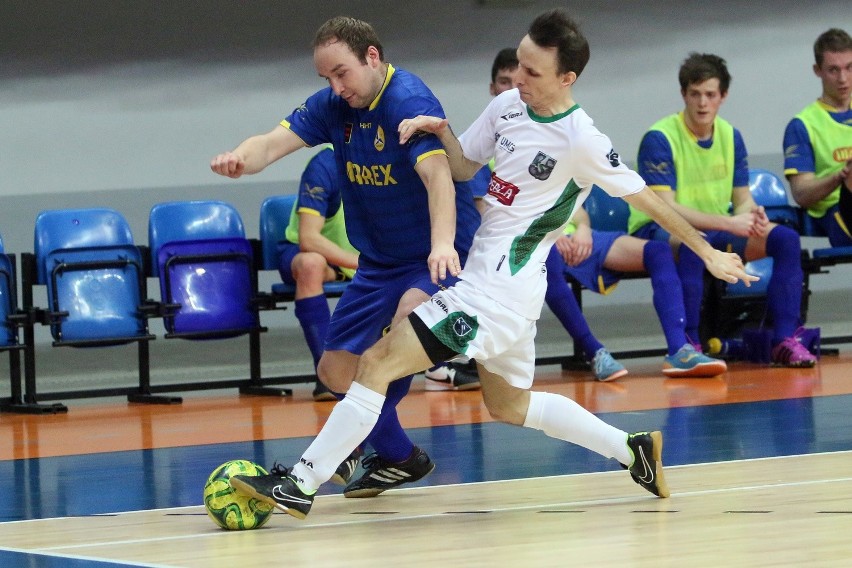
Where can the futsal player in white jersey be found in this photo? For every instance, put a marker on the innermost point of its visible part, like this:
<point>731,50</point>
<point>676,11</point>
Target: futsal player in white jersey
<point>547,154</point>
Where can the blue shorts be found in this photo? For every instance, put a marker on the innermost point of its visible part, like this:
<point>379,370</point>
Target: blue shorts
<point>369,303</point>
<point>591,272</point>
<point>286,252</point>
<point>719,240</point>
<point>834,227</point>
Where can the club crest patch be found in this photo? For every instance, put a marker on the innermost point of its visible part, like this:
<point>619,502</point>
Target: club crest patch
<point>379,140</point>
<point>461,327</point>
<point>542,166</point>
<point>613,158</point>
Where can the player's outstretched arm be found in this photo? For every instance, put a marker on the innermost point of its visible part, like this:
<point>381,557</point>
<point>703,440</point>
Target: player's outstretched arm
<point>461,168</point>
<point>724,266</point>
<point>256,152</point>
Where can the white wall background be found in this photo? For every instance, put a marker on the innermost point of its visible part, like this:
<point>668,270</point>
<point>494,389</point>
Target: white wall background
<point>123,103</point>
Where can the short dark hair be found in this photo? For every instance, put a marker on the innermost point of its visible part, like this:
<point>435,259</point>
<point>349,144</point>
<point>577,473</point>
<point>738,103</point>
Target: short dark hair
<point>507,58</point>
<point>699,67</point>
<point>834,40</point>
<point>357,34</point>
<point>555,28</point>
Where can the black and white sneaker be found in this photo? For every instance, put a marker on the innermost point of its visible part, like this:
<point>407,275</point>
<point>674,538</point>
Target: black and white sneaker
<point>646,469</point>
<point>381,475</point>
<point>452,376</point>
<point>280,489</point>
<point>344,472</point>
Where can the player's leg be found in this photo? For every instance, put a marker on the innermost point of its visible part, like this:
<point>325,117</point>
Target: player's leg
<point>396,459</point>
<point>560,299</point>
<point>309,271</point>
<point>783,293</point>
<point>506,379</point>
<point>631,254</point>
<point>291,490</point>
<point>843,217</point>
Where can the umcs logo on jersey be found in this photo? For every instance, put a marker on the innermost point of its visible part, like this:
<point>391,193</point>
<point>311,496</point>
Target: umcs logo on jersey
<point>502,190</point>
<point>542,166</point>
<point>843,154</point>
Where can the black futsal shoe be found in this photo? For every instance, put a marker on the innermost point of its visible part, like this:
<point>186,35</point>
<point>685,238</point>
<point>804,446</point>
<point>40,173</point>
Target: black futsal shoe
<point>344,472</point>
<point>381,475</point>
<point>646,469</point>
<point>280,489</point>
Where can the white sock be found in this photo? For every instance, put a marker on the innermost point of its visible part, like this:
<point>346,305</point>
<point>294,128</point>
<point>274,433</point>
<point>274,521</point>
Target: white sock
<point>350,422</point>
<point>562,418</point>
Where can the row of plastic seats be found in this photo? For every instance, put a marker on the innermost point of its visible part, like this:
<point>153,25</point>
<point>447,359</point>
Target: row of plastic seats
<point>95,277</point>
<point>725,302</point>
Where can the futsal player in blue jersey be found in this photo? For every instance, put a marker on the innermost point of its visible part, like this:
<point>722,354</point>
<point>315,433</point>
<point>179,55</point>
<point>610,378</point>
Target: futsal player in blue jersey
<point>409,223</point>
<point>818,142</point>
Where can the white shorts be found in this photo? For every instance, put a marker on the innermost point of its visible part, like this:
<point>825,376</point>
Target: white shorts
<point>467,321</point>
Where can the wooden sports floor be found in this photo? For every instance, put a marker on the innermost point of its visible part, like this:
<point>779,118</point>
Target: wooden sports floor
<point>759,462</point>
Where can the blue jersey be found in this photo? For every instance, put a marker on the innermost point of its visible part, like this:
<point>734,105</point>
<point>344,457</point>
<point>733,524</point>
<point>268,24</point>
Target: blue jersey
<point>319,188</point>
<point>656,166</point>
<point>478,184</point>
<point>387,208</point>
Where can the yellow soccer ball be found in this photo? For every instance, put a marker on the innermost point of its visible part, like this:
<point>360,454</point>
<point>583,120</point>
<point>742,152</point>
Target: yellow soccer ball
<point>229,509</point>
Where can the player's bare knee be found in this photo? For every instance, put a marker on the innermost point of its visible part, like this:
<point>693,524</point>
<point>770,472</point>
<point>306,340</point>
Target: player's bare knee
<point>336,374</point>
<point>504,409</point>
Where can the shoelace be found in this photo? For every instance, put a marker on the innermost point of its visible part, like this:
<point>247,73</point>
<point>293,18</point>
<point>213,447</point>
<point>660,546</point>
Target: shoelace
<point>372,461</point>
<point>279,470</point>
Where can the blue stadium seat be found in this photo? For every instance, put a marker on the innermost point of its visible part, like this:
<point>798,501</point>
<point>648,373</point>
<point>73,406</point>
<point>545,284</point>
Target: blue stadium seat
<point>206,269</point>
<point>606,213</point>
<point>274,218</point>
<point>208,277</point>
<point>768,189</point>
<point>96,287</point>
<point>11,320</point>
<point>8,301</point>
<point>94,277</point>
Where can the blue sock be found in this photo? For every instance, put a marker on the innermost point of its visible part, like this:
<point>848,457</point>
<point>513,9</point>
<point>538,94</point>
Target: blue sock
<point>387,437</point>
<point>313,315</point>
<point>668,293</point>
<point>561,301</point>
<point>784,291</point>
<point>690,270</point>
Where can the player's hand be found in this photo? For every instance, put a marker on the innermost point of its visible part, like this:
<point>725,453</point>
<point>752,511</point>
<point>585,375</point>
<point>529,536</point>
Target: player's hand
<point>443,260</point>
<point>582,245</point>
<point>728,266</point>
<point>565,247</point>
<point>228,164</point>
<point>742,224</point>
<point>408,127</point>
<point>762,225</point>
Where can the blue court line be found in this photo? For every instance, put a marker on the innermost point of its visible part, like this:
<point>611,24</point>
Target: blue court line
<point>13,558</point>
<point>174,477</point>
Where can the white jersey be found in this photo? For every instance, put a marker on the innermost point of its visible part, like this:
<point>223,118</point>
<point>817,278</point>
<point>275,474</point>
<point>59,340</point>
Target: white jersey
<point>544,167</point>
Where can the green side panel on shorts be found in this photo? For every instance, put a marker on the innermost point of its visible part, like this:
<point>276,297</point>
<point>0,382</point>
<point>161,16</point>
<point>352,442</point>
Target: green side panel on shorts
<point>524,245</point>
<point>456,330</point>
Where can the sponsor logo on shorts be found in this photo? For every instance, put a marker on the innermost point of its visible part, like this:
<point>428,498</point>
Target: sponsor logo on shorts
<point>461,327</point>
<point>440,303</point>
